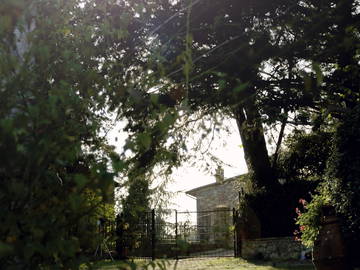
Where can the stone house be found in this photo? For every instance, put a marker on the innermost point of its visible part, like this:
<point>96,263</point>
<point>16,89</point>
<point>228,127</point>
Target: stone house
<point>214,203</point>
<point>223,194</point>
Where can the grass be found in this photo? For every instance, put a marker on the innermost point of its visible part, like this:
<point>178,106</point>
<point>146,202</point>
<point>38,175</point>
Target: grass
<point>201,264</point>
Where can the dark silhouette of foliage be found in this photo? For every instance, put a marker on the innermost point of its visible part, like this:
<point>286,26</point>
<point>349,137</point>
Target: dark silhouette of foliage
<point>343,179</point>
<point>257,62</point>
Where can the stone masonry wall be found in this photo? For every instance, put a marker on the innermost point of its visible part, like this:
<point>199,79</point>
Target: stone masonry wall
<point>283,248</point>
<point>225,194</point>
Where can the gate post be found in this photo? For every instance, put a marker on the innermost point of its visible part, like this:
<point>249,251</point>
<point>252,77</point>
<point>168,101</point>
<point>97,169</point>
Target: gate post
<point>176,236</point>
<point>153,234</point>
<point>234,233</point>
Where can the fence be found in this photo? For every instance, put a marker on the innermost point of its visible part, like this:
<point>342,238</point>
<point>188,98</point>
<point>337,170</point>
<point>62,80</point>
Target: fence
<point>173,234</point>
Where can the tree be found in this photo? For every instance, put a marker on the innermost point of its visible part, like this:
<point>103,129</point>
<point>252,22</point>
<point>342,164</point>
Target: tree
<point>257,62</point>
<point>305,156</point>
<point>136,214</point>
<point>53,95</point>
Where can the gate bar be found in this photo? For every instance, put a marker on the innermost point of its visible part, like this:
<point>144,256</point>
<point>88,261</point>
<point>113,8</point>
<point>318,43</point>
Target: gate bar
<point>153,234</point>
<point>234,232</point>
<point>176,235</point>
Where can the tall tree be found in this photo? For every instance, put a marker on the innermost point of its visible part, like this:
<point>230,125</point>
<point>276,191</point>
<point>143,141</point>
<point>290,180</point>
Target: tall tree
<point>257,62</point>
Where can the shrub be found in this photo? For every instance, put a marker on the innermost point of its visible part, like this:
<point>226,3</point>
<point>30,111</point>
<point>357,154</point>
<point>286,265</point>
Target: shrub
<point>341,186</point>
<point>52,153</point>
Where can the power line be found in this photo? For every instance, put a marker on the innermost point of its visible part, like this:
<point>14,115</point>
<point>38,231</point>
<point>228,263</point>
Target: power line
<point>173,16</point>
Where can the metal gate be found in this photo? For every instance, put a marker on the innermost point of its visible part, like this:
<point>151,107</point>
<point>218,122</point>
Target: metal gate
<point>175,234</point>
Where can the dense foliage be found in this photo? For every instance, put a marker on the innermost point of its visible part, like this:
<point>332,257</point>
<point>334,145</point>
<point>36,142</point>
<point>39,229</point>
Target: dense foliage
<point>135,213</point>
<point>340,187</point>
<point>304,156</point>
<point>54,161</point>
<point>344,178</point>
<point>280,62</point>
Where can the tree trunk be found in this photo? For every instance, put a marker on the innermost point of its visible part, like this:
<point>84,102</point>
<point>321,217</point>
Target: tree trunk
<point>252,136</point>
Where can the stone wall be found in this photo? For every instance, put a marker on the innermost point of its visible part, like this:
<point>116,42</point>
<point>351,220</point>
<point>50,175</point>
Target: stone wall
<point>283,248</point>
<point>217,195</point>
<point>223,193</point>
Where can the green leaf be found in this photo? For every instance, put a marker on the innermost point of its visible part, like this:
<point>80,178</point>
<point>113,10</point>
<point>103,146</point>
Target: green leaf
<point>144,139</point>
<point>154,98</point>
<point>169,120</point>
<point>241,87</point>
<point>80,180</point>
<point>118,165</point>
<point>222,84</point>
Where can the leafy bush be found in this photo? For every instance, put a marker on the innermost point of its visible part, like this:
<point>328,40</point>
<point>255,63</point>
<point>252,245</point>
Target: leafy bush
<point>52,154</point>
<point>44,204</point>
<point>341,187</point>
<point>343,178</point>
<point>280,214</point>
<point>308,219</point>
<point>305,156</point>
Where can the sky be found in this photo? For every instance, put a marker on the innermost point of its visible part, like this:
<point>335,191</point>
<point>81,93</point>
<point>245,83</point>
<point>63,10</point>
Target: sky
<point>226,146</point>
<point>187,177</point>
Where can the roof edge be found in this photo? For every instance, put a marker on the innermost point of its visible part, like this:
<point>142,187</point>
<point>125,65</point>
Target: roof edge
<point>237,177</point>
